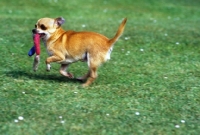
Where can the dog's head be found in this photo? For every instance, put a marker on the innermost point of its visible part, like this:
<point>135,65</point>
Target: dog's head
<point>47,26</point>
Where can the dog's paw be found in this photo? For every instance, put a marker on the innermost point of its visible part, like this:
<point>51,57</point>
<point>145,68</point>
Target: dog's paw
<point>85,85</point>
<point>69,75</point>
<point>66,74</point>
<point>81,79</point>
<point>48,67</point>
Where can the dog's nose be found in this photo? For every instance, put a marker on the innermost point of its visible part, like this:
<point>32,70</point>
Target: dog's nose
<point>34,31</point>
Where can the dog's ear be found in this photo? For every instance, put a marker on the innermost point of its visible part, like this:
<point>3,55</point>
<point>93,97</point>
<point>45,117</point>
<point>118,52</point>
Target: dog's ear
<point>59,21</point>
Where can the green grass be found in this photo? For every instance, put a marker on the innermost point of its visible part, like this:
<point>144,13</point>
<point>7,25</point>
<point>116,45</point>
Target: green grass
<point>162,82</point>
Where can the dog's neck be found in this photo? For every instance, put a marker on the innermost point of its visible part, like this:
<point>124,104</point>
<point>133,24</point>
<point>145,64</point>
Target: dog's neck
<point>53,37</point>
<point>56,35</point>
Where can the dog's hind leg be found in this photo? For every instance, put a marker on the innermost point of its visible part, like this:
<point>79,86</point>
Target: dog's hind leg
<point>92,73</point>
<point>63,72</point>
<point>92,76</point>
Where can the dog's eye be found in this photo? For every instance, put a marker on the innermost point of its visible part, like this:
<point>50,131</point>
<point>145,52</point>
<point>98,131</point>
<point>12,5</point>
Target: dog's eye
<point>35,26</point>
<point>43,27</point>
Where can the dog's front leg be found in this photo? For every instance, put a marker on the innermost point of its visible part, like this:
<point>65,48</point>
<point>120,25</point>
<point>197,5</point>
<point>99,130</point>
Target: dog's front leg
<point>53,58</point>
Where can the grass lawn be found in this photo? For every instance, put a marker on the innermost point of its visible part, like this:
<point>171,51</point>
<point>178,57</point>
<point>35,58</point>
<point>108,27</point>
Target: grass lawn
<point>151,85</point>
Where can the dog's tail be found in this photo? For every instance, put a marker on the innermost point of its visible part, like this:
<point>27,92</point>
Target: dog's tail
<point>119,32</point>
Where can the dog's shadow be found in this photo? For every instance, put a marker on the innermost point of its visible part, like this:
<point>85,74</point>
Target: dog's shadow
<point>39,76</point>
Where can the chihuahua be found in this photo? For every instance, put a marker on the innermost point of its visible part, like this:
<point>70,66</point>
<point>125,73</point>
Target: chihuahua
<point>66,47</point>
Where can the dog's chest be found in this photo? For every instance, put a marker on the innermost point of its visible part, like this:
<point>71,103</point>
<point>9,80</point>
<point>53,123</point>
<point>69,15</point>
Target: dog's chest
<point>48,48</point>
<point>50,53</point>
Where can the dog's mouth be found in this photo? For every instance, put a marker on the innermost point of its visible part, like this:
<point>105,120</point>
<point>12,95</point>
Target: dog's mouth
<point>42,35</point>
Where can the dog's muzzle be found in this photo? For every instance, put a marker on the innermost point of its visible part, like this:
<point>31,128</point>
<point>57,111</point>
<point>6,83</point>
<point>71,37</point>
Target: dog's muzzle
<point>42,35</point>
<point>34,31</point>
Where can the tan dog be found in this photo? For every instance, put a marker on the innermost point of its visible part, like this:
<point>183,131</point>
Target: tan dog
<point>66,47</point>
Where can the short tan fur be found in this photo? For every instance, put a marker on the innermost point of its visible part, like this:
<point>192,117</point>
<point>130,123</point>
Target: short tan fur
<point>66,47</point>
